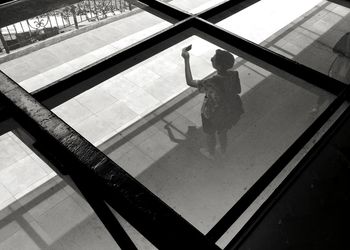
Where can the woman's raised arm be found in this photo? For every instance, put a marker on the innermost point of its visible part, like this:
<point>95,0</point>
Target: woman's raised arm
<point>188,73</point>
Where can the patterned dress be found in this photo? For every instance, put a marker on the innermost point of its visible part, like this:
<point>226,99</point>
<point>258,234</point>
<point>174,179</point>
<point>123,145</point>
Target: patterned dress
<point>222,106</point>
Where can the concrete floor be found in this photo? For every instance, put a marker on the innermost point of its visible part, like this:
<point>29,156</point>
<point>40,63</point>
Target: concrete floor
<point>121,121</point>
<point>308,39</point>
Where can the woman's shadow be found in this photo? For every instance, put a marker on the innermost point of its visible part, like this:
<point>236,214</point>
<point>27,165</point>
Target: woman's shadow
<point>191,139</point>
<point>189,142</point>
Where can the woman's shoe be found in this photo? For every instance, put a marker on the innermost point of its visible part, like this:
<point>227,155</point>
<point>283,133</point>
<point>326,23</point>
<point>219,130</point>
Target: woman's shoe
<point>206,153</point>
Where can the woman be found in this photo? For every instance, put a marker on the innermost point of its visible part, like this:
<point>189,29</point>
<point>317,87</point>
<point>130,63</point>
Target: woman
<point>222,106</point>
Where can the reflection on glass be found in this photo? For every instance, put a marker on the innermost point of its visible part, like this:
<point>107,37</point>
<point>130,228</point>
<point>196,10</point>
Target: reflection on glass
<point>38,210</point>
<point>305,31</point>
<point>54,45</point>
<point>222,105</point>
<point>148,120</point>
<point>340,68</point>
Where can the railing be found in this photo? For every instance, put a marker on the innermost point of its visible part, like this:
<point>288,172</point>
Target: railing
<point>62,20</point>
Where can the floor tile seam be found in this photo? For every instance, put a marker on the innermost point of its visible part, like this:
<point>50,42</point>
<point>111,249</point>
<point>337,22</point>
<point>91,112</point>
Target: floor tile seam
<point>11,196</point>
<point>116,44</point>
<point>334,13</point>
<point>168,99</point>
<point>118,130</point>
<point>8,202</point>
<point>10,237</point>
<point>73,124</point>
<point>110,128</point>
<point>37,214</point>
<point>33,218</point>
<point>16,162</point>
<point>40,164</point>
<point>105,138</point>
<point>46,190</point>
<point>124,153</point>
<point>159,104</point>
<point>143,151</point>
<point>54,207</point>
<point>86,207</point>
<point>249,67</point>
<point>98,110</point>
<point>145,154</point>
<point>158,129</point>
<point>22,145</point>
<point>33,186</point>
<point>25,213</point>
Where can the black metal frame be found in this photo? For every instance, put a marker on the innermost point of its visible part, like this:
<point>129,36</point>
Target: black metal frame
<point>85,164</point>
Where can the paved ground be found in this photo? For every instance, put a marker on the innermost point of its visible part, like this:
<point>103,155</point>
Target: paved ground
<point>308,39</point>
<point>167,142</point>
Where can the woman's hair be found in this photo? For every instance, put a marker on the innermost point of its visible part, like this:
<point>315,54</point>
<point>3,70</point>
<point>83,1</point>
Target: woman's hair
<point>224,59</point>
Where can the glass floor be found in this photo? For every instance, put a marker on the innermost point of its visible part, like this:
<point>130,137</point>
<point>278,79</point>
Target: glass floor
<point>147,120</point>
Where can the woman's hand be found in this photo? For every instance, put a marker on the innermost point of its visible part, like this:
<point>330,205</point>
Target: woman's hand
<point>185,54</point>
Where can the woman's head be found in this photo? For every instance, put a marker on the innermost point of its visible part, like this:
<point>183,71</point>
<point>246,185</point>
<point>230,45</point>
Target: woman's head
<point>222,60</point>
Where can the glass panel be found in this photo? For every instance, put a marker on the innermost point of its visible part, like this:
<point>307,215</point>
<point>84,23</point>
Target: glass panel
<point>38,209</point>
<point>254,206</point>
<point>194,6</point>
<point>314,33</point>
<point>297,220</point>
<point>148,121</point>
<point>47,48</point>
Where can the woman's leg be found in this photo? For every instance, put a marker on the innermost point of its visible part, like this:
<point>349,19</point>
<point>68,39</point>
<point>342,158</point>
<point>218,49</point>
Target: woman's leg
<point>211,143</point>
<point>223,140</point>
<point>210,135</point>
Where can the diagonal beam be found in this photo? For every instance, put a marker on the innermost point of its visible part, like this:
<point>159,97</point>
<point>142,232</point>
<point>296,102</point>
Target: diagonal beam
<point>160,224</point>
<point>165,8</point>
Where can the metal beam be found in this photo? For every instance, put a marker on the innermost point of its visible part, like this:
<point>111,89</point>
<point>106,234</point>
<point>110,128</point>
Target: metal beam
<point>167,9</point>
<point>225,9</point>
<point>159,223</point>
